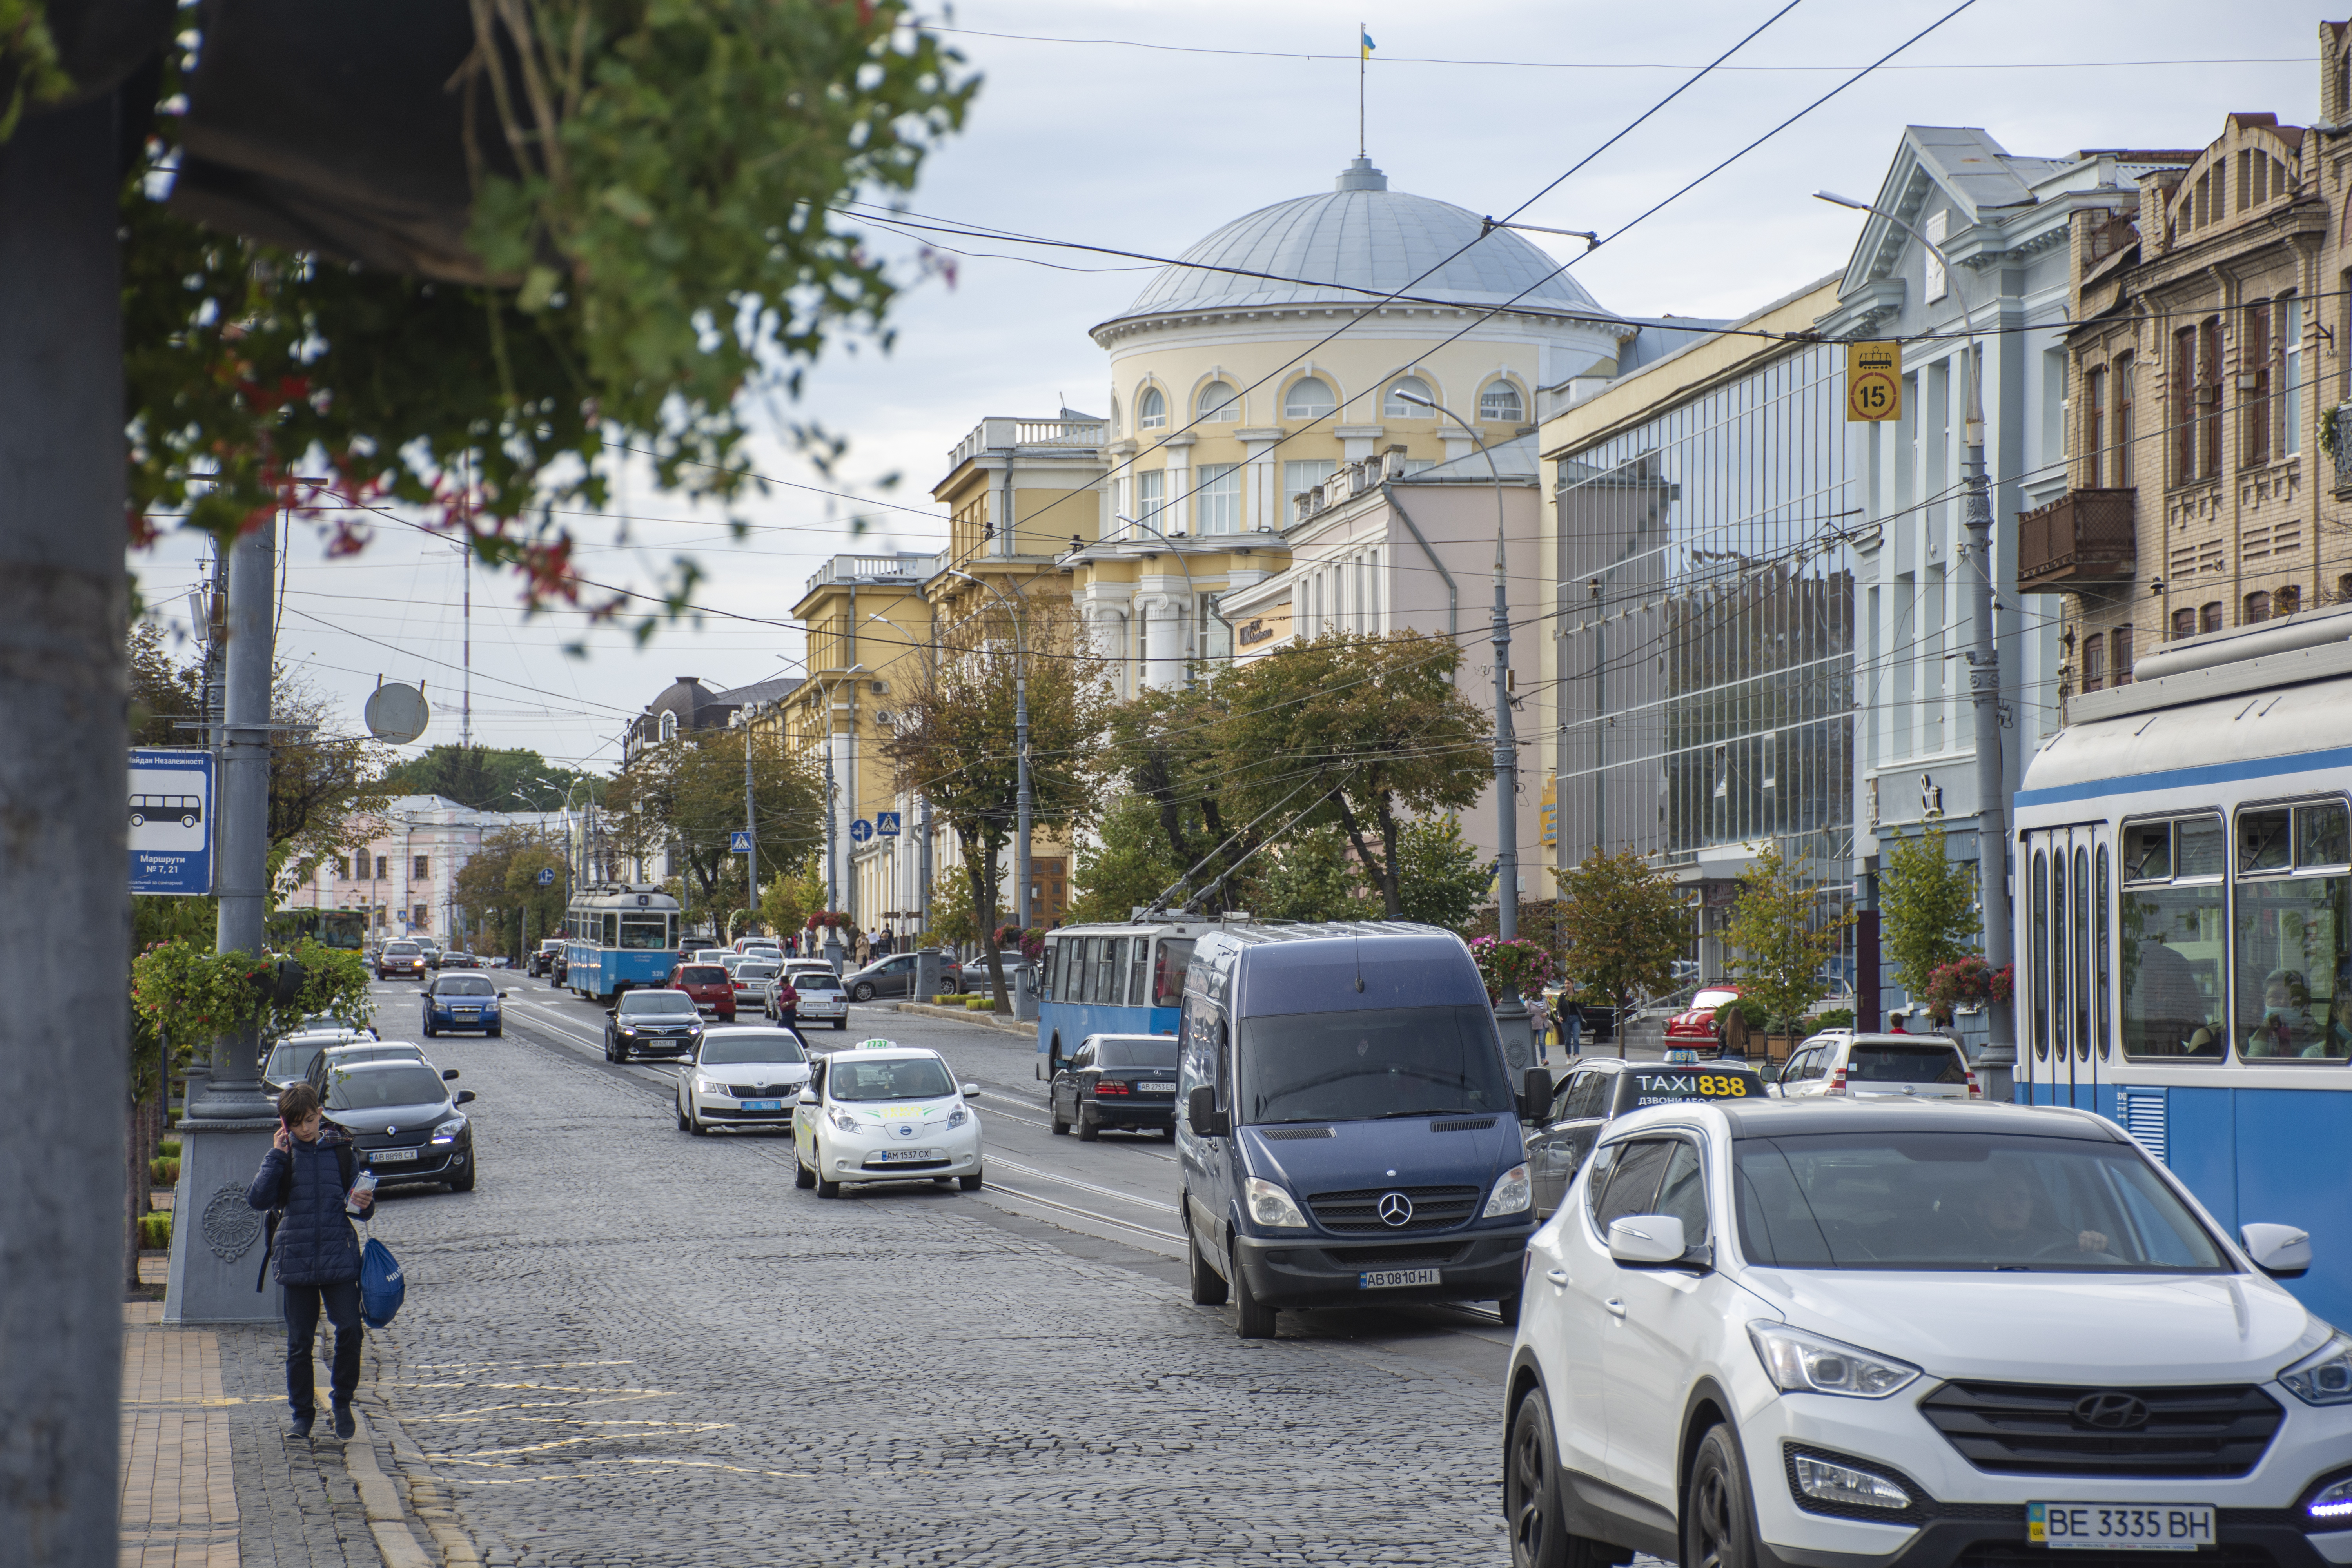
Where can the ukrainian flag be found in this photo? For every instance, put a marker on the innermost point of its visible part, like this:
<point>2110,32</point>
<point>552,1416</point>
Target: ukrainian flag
<point>1368,47</point>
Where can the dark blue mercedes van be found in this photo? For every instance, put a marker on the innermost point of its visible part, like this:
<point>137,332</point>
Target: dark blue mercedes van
<point>1351,1133</point>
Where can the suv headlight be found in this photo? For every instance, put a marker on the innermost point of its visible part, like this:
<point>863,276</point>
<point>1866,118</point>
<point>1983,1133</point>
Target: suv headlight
<point>447,1132</point>
<point>2324,1376</point>
<point>847,1122</point>
<point>1800,1362</point>
<point>1511,1194</point>
<point>1271,1206</point>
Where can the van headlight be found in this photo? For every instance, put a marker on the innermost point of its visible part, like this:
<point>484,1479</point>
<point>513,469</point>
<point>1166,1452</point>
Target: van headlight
<point>2324,1376</point>
<point>1511,1194</point>
<point>1801,1363</point>
<point>1271,1206</point>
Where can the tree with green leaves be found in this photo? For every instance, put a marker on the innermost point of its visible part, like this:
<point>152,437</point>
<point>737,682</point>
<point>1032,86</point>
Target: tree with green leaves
<point>500,891</point>
<point>1128,863</point>
<point>1781,938</point>
<point>1927,908</point>
<point>686,794</point>
<point>1308,876</point>
<point>953,742</point>
<point>492,778</point>
<point>786,901</point>
<point>1367,732</point>
<point>1627,925</point>
<point>1443,876</point>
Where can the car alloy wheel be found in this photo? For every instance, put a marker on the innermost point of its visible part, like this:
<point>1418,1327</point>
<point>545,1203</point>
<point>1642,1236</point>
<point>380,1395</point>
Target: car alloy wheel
<point>864,993</point>
<point>1531,1489</point>
<point>1715,1530</point>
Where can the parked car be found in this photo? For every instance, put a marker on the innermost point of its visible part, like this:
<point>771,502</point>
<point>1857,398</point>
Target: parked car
<point>1598,1090</point>
<point>709,984</point>
<point>1785,1332</point>
<point>895,977</point>
<point>742,1078</point>
<point>542,958</point>
<point>1125,1082</point>
<point>454,1000</point>
<point>559,967</point>
<point>1860,1065</point>
<point>402,958</point>
<point>290,1060</point>
<point>766,944</point>
<point>1349,1130</point>
<point>404,1122</point>
<point>821,995</point>
<point>320,1072</point>
<point>1694,1028</point>
<point>651,1022</point>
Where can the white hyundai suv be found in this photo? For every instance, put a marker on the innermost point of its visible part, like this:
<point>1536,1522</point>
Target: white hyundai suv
<point>1840,1334</point>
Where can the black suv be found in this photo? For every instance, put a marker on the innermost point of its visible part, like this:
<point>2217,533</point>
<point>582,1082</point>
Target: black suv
<point>1595,1092</point>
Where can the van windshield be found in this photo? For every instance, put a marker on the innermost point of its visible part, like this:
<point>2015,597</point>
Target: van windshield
<point>1355,1067</point>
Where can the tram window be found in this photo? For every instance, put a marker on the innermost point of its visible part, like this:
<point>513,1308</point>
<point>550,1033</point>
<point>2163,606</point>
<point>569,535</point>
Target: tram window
<point>644,933</point>
<point>2172,922</point>
<point>1110,966</point>
<point>2100,938</point>
<point>2083,952</point>
<point>2262,843</point>
<point>2055,955</point>
<point>1139,974</point>
<point>1168,973</point>
<point>2322,834</point>
<point>2293,936</point>
<point>2040,947</point>
<point>612,932</point>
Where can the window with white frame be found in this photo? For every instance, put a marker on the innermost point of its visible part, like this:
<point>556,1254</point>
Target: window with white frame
<point>1500,404</point>
<point>2291,413</point>
<point>1395,406</point>
<point>1308,397</point>
<point>1218,403</point>
<point>1300,475</point>
<point>1217,504</point>
<point>1150,495</point>
<point>669,726</point>
<point>1151,409</point>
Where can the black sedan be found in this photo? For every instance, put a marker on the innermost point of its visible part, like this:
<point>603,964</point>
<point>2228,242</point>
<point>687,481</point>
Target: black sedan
<point>542,959</point>
<point>404,1122</point>
<point>651,1024</point>
<point>1117,1082</point>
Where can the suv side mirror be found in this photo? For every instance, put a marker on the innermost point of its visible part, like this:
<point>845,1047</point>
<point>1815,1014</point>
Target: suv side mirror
<point>1535,1095</point>
<point>2280,1251</point>
<point>1200,1111</point>
<point>1643,1240</point>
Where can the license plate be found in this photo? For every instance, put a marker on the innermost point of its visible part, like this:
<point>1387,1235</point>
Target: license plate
<point>893,1156</point>
<point>763,1105</point>
<point>2126,1526</point>
<point>390,1156</point>
<point>1156,1087</point>
<point>1389,1278</point>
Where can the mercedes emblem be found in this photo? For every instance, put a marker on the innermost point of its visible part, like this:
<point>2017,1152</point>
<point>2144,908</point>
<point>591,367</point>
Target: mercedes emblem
<point>1395,1209</point>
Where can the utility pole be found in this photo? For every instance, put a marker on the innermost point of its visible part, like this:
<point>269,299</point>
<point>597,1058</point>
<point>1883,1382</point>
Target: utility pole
<point>752,828</point>
<point>1025,799</point>
<point>923,869</point>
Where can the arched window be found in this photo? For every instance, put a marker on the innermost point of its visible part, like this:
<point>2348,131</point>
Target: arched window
<point>669,726</point>
<point>1218,403</point>
<point>1151,409</point>
<point>1500,404</point>
<point>1309,397</point>
<point>1113,414</point>
<point>1395,406</point>
<point>2258,609</point>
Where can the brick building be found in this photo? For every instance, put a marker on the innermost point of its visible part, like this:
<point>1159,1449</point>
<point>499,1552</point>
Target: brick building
<point>2209,353</point>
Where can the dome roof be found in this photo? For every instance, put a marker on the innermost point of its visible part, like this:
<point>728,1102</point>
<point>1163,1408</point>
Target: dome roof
<point>1355,244</point>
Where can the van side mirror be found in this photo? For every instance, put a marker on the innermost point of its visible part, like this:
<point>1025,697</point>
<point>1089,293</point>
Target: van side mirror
<point>1646,1238</point>
<point>2280,1251</point>
<point>1535,1095</point>
<point>465,1097</point>
<point>1200,1111</point>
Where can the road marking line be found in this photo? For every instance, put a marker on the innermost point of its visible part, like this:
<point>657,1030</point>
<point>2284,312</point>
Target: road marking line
<point>1135,1199</point>
<point>1088,1214</point>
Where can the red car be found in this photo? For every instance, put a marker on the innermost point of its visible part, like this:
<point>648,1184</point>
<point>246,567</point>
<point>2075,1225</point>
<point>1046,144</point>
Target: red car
<point>1694,1028</point>
<point>710,985</point>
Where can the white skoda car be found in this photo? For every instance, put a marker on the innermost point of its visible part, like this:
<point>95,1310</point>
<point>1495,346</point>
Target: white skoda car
<point>1848,1334</point>
<point>882,1112</point>
<point>742,1078</point>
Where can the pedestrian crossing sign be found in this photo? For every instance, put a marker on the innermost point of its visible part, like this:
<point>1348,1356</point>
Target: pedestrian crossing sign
<point>739,842</point>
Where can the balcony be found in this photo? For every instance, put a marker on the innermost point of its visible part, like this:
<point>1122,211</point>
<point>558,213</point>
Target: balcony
<point>2082,537</point>
<point>907,566</point>
<point>997,434</point>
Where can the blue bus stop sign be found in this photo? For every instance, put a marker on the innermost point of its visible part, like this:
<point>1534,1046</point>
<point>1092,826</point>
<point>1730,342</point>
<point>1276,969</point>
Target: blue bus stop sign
<point>886,823</point>
<point>739,842</point>
<point>860,831</point>
<point>170,813</point>
<point>547,876</point>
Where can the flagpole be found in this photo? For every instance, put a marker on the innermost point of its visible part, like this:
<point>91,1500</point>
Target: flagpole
<point>1363,31</point>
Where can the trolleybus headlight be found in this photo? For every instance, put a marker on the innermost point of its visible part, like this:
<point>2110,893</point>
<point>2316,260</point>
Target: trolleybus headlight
<point>2324,1376</point>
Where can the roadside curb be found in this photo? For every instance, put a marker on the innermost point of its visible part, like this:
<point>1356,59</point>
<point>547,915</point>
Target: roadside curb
<point>963,1016</point>
<point>408,1479</point>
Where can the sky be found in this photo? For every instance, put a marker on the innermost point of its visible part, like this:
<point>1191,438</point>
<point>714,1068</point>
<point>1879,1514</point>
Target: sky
<point>1142,128</point>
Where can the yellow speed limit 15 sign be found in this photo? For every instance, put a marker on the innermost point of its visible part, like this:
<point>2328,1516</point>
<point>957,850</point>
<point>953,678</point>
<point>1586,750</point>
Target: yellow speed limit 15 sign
<point>1874,381</point>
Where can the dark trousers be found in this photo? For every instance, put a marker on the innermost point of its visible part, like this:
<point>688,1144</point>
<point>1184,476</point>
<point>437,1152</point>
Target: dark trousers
<point>302,1303</point>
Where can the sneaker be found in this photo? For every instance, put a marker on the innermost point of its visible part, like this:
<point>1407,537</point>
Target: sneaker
<point>343,1424</point>
<point>302,1423</point>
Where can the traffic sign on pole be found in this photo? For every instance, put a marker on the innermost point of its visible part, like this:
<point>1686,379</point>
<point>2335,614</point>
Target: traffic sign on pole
<point>886,823</point>
<point>1873,382</point>
<point>860,831</point>
<point>547,876</point>
<point>739,842</point>
<point>171,811</point>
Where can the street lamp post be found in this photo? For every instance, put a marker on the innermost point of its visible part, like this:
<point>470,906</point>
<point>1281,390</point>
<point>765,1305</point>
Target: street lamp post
<point>1191,645</point>
<point>1022,801</point>
<point>1984,661</point>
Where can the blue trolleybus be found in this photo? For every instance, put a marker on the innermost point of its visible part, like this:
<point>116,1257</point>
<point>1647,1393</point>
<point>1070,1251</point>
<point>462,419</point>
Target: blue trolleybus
<point>1112,979</point>
<point>2184,926</point>
<point>619,937</point>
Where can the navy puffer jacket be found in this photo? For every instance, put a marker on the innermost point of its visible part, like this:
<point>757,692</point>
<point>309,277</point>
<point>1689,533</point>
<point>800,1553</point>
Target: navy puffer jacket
<point>315,1242</point>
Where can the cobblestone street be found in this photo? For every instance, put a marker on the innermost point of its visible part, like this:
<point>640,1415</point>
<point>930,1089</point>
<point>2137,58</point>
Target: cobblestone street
<point>632,1346</point>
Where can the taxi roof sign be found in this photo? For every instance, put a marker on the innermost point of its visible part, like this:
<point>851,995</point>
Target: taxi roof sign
<point>877,1045</point>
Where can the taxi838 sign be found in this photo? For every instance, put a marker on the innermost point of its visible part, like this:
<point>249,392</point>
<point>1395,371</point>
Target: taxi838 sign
<point>1874,381</point>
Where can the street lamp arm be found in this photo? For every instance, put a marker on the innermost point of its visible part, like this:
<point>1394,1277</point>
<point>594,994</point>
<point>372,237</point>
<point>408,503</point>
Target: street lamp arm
<point>1968,315</point>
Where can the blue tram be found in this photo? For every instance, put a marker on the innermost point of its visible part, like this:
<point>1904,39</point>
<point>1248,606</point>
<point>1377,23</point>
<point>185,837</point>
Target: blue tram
<point>1119,979</point>
<point>619,937</point>
<point>2183,910</point>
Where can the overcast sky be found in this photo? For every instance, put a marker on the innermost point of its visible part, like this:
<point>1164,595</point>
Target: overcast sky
<point>1081,133</point>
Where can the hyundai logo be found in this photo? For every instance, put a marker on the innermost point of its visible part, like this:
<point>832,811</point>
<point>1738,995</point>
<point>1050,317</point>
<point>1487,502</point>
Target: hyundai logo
<point>2111,1411</point>
<point>1397,1209</point>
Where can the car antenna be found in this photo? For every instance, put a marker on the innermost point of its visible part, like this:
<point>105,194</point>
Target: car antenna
<point>1357,942</point>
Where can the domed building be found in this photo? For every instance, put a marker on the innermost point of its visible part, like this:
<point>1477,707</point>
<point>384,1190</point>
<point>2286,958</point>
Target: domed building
<point>1289,343</point>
